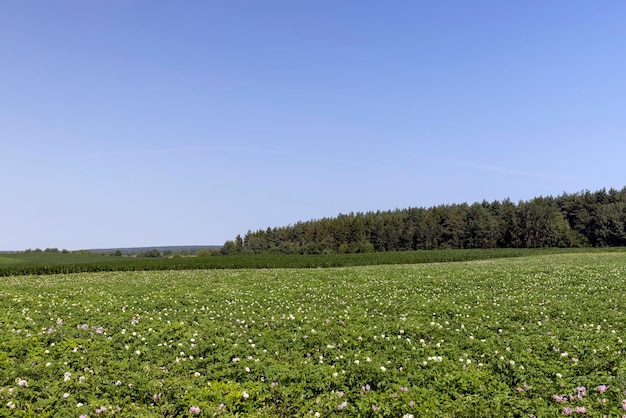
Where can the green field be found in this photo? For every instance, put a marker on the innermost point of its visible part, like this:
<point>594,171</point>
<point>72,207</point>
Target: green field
<point>53,263</point>
<point>540,335</point>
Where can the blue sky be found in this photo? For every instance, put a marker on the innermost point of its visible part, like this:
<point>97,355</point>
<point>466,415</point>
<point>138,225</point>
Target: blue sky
<point>145,123</point>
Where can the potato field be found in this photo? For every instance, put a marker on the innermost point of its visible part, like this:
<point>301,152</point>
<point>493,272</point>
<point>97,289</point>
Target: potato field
<point>537,336</point>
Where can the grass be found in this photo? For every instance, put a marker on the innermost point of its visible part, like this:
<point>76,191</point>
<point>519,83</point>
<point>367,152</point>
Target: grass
<point>495,337</point>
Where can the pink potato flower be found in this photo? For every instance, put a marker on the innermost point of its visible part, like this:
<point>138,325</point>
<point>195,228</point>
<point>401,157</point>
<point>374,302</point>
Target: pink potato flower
<point>194,410</point>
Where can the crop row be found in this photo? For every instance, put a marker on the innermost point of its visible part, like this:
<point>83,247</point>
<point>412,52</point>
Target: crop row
<point>25,264</point>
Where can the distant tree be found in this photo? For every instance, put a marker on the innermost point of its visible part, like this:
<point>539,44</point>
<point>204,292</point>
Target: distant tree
<point>480,227</point>
<point>586,218</point>
<point>228,248</point>
<point>284,248</point>
<point>153,253</point>
<point>454,225</point>
<point>364,247</point>
<point>608,225</point>
<point>117,253</point>
<point>508,225</point>
<point>255,244</point>
<point>238,244</point>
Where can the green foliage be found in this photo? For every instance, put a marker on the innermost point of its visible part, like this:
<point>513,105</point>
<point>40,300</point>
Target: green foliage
<point>229,248</point>
<point>43,263</point>
<point>153,253</point>
<point>571,220</point>
<point>510,337</point>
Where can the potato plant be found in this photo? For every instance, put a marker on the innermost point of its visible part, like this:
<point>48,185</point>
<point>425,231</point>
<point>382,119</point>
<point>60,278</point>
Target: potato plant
<point>533,336</point>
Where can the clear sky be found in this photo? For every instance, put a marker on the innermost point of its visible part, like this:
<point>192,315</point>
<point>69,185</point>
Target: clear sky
<point>145,123</point>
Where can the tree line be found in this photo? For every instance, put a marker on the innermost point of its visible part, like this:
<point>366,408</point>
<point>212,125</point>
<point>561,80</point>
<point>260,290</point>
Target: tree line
<point>584,219</point>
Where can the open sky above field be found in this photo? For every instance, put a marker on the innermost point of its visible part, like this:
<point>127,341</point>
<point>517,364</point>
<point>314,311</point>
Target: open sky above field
<point>139,123</point>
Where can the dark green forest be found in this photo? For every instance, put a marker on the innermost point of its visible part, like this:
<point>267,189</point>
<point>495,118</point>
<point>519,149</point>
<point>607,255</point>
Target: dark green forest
<point>584,219</point>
